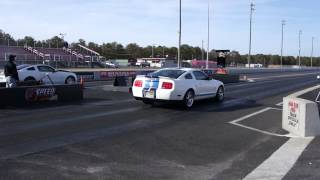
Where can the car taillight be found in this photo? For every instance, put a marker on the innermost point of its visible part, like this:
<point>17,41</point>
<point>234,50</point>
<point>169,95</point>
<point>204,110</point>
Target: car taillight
<point>167,85</point>
<point>138,83</point>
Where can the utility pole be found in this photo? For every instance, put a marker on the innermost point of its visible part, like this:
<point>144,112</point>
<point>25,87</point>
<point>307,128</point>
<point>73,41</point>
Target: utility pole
<point>179,49</point>
<point>202,53</point>
<point>208,43</point>
<point>62,37</point>
<point>300,33</point>
<point>252,8</point>
<point>162,51</point>
<point>152,51</point>
<point>312,52</point>
<point>283,24</point>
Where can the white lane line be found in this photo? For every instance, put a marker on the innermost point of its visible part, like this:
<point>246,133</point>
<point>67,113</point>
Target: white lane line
<point>250,115</point>
<point>279,104</point>
<point>251,80</point>
<point>281,161</point>
<point>236,123</point>
<point>279,109</point>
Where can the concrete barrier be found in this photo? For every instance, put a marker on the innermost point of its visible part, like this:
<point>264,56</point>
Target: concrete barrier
<point>300,116</point>
<point>267,70</point>
<point>120,81</point>
<point>226,78</point>
<point>110,75</point>
<point>28,95</point>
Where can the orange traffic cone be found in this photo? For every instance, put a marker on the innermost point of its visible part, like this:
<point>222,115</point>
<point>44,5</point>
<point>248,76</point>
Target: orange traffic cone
<point>81,83</point>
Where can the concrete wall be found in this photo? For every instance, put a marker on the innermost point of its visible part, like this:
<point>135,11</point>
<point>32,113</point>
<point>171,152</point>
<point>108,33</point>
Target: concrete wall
<point>300,116</point>
<point>267,70</point>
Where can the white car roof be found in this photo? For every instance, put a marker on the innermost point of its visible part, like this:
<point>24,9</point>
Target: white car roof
<point>183,69</point>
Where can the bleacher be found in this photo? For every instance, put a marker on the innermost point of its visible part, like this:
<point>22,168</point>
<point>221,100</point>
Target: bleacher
<point>57,57</point>
<point>22,56</point>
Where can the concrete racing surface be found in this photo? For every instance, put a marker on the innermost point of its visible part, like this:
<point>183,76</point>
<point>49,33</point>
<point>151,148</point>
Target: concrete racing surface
<point>111,136</point>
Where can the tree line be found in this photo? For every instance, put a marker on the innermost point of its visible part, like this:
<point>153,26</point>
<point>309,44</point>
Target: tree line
<point>114,50</point>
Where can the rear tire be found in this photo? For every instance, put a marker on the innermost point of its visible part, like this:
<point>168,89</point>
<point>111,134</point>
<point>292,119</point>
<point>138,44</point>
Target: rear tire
<point>188,99</point>
<point>30,79</point>
<point>70,80</point>
<point>220,94</point>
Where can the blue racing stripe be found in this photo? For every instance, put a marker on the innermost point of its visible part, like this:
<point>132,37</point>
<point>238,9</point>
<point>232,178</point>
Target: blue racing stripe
<point>151,84</point>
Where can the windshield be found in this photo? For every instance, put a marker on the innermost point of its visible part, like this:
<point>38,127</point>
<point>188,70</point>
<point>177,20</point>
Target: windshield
<point>174,74</point>
<point>22,66</point>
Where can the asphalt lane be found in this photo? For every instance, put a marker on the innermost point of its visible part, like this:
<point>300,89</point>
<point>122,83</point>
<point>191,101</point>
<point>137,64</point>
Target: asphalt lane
<point>112,136</point>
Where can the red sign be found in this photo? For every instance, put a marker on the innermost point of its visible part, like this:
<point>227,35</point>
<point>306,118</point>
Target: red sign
<point>293,106</point>
<point>294,114</point>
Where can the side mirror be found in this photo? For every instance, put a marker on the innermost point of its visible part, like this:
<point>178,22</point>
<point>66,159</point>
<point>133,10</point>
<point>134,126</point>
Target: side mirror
<point>209,78</point>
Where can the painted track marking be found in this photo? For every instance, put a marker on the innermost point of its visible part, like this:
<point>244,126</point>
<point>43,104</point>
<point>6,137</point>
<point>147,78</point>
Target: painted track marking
<point>281,161</point>
<point>237,123</point>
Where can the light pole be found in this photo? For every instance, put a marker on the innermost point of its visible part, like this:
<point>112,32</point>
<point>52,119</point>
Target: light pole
<point>202,53</point>
<point>153,46</point>
<point>152,51</point>
<point>62,37</point>
<point>283,24</point>
<point>312,52</point>
<point>300,33</point>
<point>252,8</point>
<point>179,52</point>
<point>208,42</point>
<point>162,51</point>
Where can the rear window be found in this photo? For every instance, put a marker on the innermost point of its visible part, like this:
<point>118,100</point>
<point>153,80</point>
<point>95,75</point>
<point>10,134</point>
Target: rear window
<point>22,66</point>
<point>174,74</point>
<point>188,76</point>
<point>31,69</point>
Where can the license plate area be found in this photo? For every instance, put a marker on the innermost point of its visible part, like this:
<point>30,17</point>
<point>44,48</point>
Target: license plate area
<point>150,94</point>
<point>2,78</point>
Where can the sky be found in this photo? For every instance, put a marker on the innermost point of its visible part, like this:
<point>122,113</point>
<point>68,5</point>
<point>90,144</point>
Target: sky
<point>156,22</point>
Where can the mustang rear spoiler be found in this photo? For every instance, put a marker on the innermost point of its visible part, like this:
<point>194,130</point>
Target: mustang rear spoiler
<point>156,77</point>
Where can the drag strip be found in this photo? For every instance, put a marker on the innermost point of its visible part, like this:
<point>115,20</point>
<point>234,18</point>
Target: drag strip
<point>110,135</point>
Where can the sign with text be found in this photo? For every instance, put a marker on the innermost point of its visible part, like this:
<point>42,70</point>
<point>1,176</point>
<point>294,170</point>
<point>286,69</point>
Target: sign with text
<point>293,114</point>
<point>39,94</point>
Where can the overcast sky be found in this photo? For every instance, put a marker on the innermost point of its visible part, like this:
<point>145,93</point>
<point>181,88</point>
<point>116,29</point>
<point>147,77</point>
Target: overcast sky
<point>148,22</point>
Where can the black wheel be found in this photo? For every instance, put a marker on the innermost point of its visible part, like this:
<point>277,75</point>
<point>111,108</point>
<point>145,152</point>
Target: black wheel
<point>188,99</point>
<point>30,79</point>
<point>70,80</point>
<point>220,94</point>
